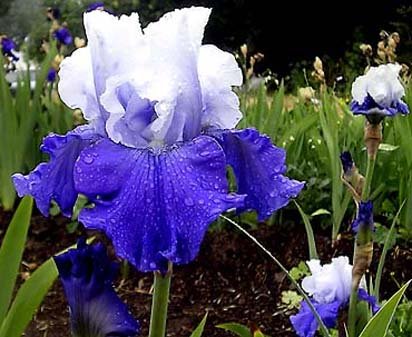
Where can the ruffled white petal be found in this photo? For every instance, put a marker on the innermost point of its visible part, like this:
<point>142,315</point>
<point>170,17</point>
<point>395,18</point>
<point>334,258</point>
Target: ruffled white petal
<point>218,71</point>
<point>381,83</point>
<point>329,282</point>
<point>83,75</point>
<point>177,86</point>
<point>76,85</point>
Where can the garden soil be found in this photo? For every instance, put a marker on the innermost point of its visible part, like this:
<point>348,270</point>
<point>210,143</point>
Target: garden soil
<point>231,279</point>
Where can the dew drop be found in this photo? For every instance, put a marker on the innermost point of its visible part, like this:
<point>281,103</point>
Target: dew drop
<point>88,159</point>
<point>189,202</point>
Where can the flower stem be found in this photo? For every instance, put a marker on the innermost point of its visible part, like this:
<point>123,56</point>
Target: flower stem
<point>368,178</point>
<point>322,326</point>
<point>160,301</point>
<point>362,252</point>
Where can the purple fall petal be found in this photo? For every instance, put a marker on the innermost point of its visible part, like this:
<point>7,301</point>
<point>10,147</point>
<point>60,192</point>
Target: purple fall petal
<point>155,206</point>
<point>304,322</point>
<point>364,217</point>
<point>364,296</point>
<point>95,309</point>
<point>54,180</point>
<point>259,167</point>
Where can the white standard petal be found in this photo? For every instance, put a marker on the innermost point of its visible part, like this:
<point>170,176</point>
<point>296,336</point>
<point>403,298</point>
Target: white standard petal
<point>174,43</point>
<point>113,44</point>
<point>76,85</point>
<point>359,89</point>
<point>381,83</point>
<point>218,72</point>
<point>110,50</point>
<point>329,282</point>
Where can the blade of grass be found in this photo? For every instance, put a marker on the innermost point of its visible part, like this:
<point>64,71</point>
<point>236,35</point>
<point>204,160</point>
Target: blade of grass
<point>385,249</point>
<point>313,254</point>
<point>11,252</point>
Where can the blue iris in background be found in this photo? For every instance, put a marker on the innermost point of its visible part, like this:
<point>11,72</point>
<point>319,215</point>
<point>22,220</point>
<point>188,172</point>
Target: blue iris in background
<point>152,159</point>
<point>51,75</point>
<point>347,162</point>
<point>8,47</point>
<point>95,309</point>
<point>63,35</point>
<point>379,93</point>
<point>99,5</point>
<point>364,217</point>
<point>329,287</point>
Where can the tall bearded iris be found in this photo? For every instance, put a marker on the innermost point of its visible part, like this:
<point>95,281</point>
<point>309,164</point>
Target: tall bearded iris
<point>152,160</point>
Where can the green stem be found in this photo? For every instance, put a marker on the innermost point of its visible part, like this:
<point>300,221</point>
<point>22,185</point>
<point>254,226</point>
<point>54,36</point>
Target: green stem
<point>322,326</point>
<point>361,239</point>
<point>368,178</point>
<point>160,301</point>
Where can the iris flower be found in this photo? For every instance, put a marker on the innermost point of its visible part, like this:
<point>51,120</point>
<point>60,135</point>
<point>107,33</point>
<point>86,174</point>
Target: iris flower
<point>330,288</point>
<point>63,35</point>
<point>95,310</point>
<point>51,75</point>
<point>99,5</point>
<point>8,47</point>
<point>347,162</point>
<point>152,159</point>
<point>378,93</point>
<point>364,217</point>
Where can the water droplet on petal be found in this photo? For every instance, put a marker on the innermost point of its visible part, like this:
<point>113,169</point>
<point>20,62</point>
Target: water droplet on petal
<point>189,202</point>
<point>88,159</point>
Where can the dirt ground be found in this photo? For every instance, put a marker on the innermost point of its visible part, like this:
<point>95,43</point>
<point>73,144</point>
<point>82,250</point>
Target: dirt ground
<point>230,279</point>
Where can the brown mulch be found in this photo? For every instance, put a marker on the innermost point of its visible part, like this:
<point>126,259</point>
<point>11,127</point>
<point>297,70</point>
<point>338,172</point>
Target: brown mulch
<point>230,279</point>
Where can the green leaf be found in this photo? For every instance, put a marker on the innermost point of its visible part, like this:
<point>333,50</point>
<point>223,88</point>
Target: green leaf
<point>390,239</point>
<point>320,211</point>
<point>238,329</point>
<point>199,330</point>
<point>28,299</point>
<point>387,147</point>
<point>379,324</point>
<point>11,252</point>
<point>313,254</point>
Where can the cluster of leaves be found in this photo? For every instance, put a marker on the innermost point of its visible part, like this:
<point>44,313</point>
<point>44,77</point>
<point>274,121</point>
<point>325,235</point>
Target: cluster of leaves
<point>314,130</point>
<point>26,116</point>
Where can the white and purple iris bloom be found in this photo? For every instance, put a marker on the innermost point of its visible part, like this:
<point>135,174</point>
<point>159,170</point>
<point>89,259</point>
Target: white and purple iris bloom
<point>330,288</point>
<point>364,218</point>
<point>152,160</point>
<point>95,309</point>
<point>63,35</point>
<point>8,48</point>
<point>378,93</point>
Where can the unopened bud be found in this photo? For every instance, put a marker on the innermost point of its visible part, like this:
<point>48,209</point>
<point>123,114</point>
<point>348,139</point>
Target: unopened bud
<point>306,94</point>
<point>381,45</point>
<point>79,42</point>
<point>366,49</point>
<point>396,37</point>
<point>392,43</point>
<point>243,50</point>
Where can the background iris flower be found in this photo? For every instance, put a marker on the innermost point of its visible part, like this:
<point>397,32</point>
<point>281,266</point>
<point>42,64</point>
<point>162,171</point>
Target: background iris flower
<point>152,160</point>
<point>8,47</point>
<point>378,93</point>
<point>63,35</point>
<point>364,217</point>
<point>330,288</point>
<point>95,309</point>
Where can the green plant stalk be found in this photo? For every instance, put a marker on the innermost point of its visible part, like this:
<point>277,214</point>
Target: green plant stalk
<point>363,239</point>
<point>388,239</point>
<point>322,326</point>
<point>160,301</point>
<point>368,178</point>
